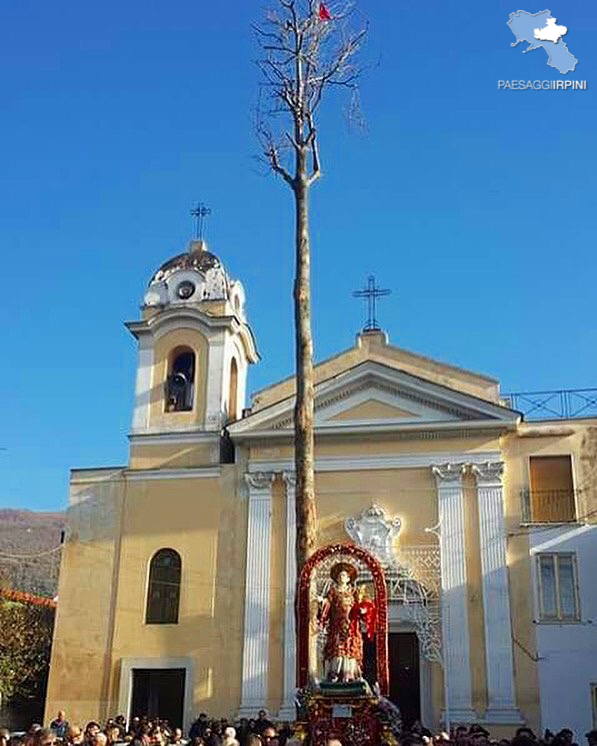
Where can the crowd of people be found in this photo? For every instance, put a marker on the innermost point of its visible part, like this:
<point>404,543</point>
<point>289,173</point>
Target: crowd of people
<point>261,731</point>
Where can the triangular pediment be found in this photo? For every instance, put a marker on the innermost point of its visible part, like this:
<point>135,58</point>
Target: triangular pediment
<point>372,409</point>
<point>373,395</point>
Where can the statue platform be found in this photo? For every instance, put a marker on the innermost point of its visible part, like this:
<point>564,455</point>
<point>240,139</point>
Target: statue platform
<point>349,712</point>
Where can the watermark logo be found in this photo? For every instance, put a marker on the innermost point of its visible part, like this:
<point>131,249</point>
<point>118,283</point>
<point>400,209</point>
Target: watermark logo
<point>542,31</point>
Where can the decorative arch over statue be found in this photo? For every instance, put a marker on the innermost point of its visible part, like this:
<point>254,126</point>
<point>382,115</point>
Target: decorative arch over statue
<point>323,563</point>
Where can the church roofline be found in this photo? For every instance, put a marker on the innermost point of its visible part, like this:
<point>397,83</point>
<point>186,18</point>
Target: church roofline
<point>366,337</point>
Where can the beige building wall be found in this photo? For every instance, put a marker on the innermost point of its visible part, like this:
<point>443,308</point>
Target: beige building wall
<point>103,588</point>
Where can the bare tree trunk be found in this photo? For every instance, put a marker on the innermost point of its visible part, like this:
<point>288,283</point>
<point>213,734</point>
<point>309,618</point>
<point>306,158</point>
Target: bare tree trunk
<point>304,456</point>
<point>303,55</point>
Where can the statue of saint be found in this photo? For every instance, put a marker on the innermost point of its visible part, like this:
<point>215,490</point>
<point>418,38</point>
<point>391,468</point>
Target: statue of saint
<point>343,650</point>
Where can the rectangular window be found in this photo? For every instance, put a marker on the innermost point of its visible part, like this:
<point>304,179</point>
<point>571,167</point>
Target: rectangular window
<point>558,587</point>
<point>551,490</point>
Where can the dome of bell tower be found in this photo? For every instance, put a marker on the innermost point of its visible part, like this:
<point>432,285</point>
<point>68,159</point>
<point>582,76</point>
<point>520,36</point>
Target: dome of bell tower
<point>194,277</point>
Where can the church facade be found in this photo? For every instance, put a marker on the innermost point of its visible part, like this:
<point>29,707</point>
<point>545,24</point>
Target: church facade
<point>177,579</point>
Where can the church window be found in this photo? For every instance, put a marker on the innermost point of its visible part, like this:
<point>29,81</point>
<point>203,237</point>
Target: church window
<point>163,593</point>
<point>233,393</point>
<point>551,494</point>
<point>558,587</point>
<point>180,382</point>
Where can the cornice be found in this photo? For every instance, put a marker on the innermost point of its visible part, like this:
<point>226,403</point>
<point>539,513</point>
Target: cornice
<point>367,463</point>
<point>178,315</point>
<point>399,431</point>
<point>172,438</point>
<point>206,472</point>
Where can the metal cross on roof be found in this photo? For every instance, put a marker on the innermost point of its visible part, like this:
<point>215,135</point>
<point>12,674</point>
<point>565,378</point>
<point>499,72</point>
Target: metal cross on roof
<point>371,292</point>
<point>200,213</point>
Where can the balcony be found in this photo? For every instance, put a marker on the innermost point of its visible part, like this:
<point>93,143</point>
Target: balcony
<point>548,506</point>
<point>564,404</point>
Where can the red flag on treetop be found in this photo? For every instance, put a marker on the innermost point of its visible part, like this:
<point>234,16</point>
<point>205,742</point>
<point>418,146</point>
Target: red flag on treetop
<point>324,13</point>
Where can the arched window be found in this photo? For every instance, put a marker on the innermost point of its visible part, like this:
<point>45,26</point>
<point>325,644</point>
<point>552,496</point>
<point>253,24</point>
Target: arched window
<point>233,392</point>
<point>163,593</point>
<point>180,382</point>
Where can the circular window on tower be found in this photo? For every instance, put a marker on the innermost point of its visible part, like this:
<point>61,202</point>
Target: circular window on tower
<point>185,289</point>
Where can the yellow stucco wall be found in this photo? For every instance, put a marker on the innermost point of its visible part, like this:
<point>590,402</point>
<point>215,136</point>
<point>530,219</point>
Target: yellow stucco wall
<point>81,650</point>
<point>103,587</point>
<point>347,446</point>
<point>177,456</point>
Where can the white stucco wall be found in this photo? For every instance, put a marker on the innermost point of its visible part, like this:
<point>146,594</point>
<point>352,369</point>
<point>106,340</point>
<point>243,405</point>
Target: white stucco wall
<point>568,651</point>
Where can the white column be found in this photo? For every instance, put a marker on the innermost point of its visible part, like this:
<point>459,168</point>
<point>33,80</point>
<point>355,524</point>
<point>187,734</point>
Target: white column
<point>214,405</point>
<point>501,699</point>
<point>288,710</point>
<point>256,638</point>
<point>143,383</point>
<point>454,600</point>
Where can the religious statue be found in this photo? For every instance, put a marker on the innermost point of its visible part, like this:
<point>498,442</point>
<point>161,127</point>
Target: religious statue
<point>348,616</point>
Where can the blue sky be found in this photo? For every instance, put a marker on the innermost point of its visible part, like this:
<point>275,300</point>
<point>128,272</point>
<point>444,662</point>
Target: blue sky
<point>475,206</point>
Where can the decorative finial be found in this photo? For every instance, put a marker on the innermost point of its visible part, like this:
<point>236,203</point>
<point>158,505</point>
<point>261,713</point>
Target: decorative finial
<point>200,213</point>
<point>371,292</point>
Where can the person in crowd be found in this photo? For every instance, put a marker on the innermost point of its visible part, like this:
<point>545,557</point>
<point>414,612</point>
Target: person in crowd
<point>4,736</point>
<point>99,739</point>
<point>591,737</point>
<point>262,722</point>
<point>177,738</point>
<point>113,734</point>
<point>269,736</point>
<point>74,736</point>
<point>199,726</point>
<point>120,722</point>
<point>44,737</point>
<point>60,724</point>
<point>91,730</point>
<point>230,737</point>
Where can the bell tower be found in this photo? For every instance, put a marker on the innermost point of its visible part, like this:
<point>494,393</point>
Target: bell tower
<point>195,347</point>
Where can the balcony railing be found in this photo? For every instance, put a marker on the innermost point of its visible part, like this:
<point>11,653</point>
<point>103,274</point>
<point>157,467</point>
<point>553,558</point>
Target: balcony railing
<point>548,506</point>
<point>559,405</point>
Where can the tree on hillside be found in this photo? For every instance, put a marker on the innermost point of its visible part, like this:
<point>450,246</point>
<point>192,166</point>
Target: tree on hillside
<point>307,48</point>
<point>25,646</point>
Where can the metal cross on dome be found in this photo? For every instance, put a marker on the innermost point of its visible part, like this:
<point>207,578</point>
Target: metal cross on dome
<point>200,213</point>
<point>371,292</point>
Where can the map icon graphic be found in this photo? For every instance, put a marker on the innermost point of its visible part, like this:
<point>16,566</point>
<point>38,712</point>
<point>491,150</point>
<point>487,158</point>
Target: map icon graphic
<point>542,30</point>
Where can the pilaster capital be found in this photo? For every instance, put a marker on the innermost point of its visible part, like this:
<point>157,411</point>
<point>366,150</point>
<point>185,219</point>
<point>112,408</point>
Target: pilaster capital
<point>489,474</point>
<point>289,478</point>
<point>448,473</point>
<point>259,481</point>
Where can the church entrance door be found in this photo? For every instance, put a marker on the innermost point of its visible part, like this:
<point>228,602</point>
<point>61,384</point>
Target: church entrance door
<point>159,692</point>
<point>405,684</point>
